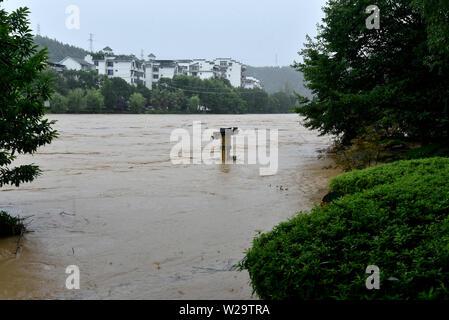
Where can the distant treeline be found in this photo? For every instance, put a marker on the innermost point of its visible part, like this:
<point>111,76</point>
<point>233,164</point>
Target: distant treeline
<point>88,92</point>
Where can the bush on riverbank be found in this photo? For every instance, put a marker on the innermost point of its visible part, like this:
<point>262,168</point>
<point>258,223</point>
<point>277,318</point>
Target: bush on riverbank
<point>429,150</point>
<point>394,216</point>
<point>10,226</point>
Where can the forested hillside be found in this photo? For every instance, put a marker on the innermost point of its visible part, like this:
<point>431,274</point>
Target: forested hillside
<point>275,79</point>
<point>58,50</point>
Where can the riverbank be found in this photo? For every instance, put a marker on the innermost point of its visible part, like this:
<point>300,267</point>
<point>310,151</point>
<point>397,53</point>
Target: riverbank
<point>393,217</point>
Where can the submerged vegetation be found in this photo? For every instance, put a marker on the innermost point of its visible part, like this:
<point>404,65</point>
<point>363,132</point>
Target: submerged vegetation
<point>11,226</point>
<point>394,216</point>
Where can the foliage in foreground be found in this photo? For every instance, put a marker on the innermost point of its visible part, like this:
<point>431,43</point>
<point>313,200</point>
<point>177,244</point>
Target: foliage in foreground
<point>10,226</point>
<point>394,216</point>
<point>23,91</point>
<point>393,76</point>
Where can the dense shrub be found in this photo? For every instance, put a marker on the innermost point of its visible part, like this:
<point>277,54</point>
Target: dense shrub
<point>58,103</point>
<point>136,102</point>
<point>358,181</point>
<point>395,216</point>
<point>10,226</point>
<point>429,150</point>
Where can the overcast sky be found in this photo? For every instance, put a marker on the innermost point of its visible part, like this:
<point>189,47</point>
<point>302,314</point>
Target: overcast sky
<point>252,31</point>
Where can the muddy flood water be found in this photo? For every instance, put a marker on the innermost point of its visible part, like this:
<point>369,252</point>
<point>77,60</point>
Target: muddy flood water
<point>111,202</point>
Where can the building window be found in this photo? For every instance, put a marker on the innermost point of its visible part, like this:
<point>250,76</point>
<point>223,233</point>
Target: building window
<point>96,63</point>
<point>110,72</point>
<point>110,64</point>
<point>155,69</point>
<point>155,76</point>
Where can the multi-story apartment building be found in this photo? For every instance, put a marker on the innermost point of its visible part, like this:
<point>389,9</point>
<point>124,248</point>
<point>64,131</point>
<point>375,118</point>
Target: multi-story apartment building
<point>226,68</point>
<point>158,69</point>
<point>127,67</point>
<point>135,71</point>
<point>232,70</point>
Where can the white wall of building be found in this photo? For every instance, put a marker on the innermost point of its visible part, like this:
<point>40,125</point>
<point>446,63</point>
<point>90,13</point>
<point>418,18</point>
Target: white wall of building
<point>71,64</point>
<point>167,72</point>
<point>234,70</point>
<point>129,70</point>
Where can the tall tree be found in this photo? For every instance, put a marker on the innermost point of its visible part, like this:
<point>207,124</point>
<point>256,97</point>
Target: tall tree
<point>436,16</point>
<point>23,92</point>
<point>94,101</point>
<point>136,102</point>
<point>362,77</point>
<point>76,101</point>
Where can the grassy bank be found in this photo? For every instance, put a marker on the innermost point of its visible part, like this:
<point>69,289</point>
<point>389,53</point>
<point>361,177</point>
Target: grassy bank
<point>394,216</point>
<point>10,226</point>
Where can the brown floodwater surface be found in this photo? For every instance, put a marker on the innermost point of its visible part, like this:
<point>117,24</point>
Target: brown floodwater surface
<point>111,202</point>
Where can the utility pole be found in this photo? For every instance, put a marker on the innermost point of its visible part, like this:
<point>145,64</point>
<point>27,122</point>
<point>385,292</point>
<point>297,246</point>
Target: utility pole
<point>38,31</point>
<point>91,42</point>
<point>142,55</point>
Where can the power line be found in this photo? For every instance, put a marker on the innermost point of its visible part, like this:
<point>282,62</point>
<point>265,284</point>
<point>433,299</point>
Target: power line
<point>205,92</point>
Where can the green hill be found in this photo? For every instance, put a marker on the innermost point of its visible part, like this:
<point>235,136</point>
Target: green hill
<point>58,50</point>
<point>273,79</point>
<point>276,79</point>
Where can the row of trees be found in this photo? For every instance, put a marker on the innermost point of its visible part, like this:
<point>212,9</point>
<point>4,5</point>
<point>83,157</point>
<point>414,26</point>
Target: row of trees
<point>218,96</point>
<point>88,92</point>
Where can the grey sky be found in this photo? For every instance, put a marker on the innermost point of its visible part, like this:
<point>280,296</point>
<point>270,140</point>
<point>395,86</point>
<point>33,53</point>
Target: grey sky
<point>252,31</point>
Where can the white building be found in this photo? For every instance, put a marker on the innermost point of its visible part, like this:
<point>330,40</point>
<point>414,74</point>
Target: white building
<point>127,67</point>
<point>252,83</point>
<point>76,64</point>
<point>226,68</point>
<point>232,70</point>
<point>203,69</point>
<point>183,66</point>
<point>134,71</point>
<point>158,69</point>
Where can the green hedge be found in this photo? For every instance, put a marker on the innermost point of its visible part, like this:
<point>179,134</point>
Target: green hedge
<point>360,180</point>
<point>429,150</point>
<point>394,216</point>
